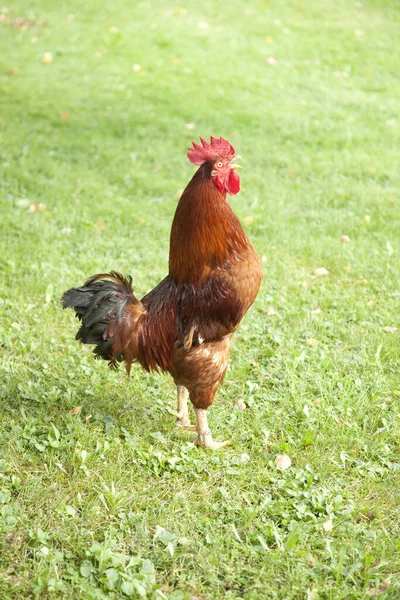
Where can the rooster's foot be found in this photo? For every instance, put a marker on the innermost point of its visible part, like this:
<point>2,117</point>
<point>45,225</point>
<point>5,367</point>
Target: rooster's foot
<point>204,436</point>
<point>182,415</point>
<point>205,440</point>
<point>185,424</point>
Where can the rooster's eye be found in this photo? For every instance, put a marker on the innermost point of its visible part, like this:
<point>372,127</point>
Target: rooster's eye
<point>219,164</point>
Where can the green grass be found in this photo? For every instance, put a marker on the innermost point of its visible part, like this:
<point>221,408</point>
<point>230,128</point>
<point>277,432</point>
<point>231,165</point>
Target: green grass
<point>122,504</point>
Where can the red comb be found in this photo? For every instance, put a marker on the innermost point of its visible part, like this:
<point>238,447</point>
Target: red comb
<point>217,147</point>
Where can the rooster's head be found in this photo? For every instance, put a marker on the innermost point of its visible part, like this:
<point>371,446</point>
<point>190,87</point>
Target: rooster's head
<point>218,154</point>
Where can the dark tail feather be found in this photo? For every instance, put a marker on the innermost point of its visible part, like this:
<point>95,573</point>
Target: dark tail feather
<point>109,312</point>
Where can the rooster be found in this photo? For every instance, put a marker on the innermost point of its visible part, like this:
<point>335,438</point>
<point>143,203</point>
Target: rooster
<point>184,325</point>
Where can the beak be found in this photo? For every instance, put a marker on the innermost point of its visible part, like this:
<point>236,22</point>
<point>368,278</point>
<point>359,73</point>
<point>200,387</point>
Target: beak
<point>236,157</point>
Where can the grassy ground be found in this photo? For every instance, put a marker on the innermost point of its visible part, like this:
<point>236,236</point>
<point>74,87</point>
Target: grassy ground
<point>113,501</point>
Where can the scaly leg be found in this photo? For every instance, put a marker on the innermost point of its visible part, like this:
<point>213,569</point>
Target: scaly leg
<point>183,419</point>
<point>204,436</point>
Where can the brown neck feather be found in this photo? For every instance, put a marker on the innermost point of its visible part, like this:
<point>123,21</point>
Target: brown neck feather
<point>205,231</point>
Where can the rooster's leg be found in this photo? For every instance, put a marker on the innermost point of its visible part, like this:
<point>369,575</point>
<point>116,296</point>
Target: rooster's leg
<point>204,435</point>
<point>182,417</point>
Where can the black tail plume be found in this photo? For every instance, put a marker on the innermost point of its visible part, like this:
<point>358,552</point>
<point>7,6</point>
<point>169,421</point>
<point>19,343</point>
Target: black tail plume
<point>100,304</point>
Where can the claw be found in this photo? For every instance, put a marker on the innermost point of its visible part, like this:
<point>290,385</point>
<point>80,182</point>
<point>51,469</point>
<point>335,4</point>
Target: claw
<point>204,436</point>
<point>206,441</point>
<point>186,425</point>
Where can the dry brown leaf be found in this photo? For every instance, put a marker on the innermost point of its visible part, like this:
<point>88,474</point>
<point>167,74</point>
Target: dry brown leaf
<point>64,116</point>
<point>344,239</point>
<point>320,272</point>
<point>311,560</point>
<point>21,23</point>
<point>390,329</point>
<point>76,410</point>
<point>316,401</point>
<point>283,461</point>
<point>378,591</point>
<point>37,207</point>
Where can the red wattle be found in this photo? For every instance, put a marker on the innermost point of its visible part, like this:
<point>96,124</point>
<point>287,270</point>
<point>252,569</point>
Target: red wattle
<point>218,183</point>
<point>233,183</point>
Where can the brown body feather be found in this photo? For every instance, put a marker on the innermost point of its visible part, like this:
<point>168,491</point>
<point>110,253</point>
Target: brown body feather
<point>184,324</point>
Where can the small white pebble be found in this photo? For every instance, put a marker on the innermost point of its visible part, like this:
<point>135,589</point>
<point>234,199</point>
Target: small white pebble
<point>47,57</point>
<point>390,329</point>
<point>320,271</point>
<point>283,461</point>
<point>328,525</point>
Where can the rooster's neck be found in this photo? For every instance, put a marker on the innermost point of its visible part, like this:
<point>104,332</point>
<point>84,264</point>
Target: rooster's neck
<point>205,232</point>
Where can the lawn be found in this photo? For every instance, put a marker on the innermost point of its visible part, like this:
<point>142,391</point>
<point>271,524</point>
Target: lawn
<point>101,497</point>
